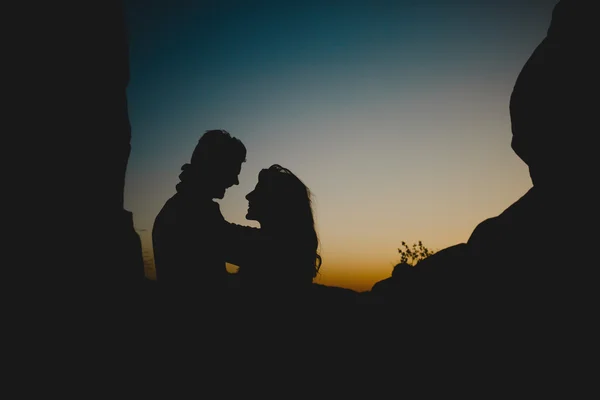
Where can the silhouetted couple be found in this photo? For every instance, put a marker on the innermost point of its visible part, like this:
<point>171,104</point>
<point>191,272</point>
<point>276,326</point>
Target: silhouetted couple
<point>192,241</point>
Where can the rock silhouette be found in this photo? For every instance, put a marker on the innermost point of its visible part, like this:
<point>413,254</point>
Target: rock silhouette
<point>523,262</point>
<point>71,185</point>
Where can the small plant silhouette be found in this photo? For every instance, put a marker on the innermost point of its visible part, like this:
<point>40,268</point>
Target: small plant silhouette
<point>411,255</point>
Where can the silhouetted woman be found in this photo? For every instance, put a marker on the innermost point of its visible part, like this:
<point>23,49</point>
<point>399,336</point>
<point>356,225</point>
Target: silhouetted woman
<point>281,258</point>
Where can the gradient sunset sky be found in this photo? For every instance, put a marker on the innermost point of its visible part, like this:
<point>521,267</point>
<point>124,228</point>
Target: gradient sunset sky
<point>394,113</point>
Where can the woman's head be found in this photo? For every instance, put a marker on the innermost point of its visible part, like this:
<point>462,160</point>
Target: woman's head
<point>278,198</point>
<point>282,204</point>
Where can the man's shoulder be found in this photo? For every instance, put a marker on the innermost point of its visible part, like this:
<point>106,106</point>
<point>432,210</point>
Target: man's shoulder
<point>170,210</point>
<point>178,210</point>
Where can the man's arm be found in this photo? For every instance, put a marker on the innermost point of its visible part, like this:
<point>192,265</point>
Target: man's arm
<point>245,245</point>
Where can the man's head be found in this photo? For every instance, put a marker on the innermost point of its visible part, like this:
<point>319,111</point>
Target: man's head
<point>217,159</point>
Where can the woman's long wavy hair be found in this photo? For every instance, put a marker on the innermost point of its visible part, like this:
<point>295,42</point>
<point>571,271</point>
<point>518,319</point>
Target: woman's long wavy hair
<point>290,206</point>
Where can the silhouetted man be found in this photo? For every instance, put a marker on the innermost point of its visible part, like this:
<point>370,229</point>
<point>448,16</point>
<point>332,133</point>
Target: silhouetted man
<point>187,250</point>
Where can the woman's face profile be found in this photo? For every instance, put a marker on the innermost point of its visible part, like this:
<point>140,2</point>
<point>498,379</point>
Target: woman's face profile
<point>257,202</point>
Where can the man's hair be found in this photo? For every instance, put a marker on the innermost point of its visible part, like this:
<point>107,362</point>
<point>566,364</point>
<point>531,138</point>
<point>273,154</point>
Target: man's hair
<point>218,145</point>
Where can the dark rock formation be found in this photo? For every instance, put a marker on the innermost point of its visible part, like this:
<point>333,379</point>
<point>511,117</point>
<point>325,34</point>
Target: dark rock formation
<point>534,258</point>
<point>76,147</point>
